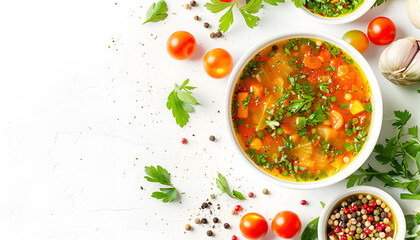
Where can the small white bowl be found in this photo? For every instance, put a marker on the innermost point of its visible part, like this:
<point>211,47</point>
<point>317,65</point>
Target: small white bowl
<point>360,11</point>
<point>377,114</point>
<point>400,227</point>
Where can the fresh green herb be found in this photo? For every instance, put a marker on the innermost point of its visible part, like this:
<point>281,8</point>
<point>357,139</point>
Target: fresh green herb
<point>330,68</point>
<point>322,204</point>
<point>332,49</point>
<point>156,12</point>
<point>368,107</point>
<point>418,90</point>
<point>224,187</point>
<point>181,101</point>
<point>378,3</point>
<point>248,11</point>
<point>246,102</point>
<point>272,123</point>
<point>250,140</point>
<point>344,106</point>
<point>413,226</point>
<point>240,122</point>
<point>348,147</point>
<point>323,87</point>
<point>161,175</point>
<point>251,152</point>
<point>253,67</point>
<point>288,142</point>
<point>311,230</point>
<point>396,153</point>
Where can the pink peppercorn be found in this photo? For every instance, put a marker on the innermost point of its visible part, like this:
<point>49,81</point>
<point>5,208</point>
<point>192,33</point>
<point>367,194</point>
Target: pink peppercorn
<point>303,202</point>
<point>251,194</point>
<point>183,140</point>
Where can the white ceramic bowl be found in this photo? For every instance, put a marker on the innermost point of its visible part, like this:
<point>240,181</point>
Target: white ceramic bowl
<point>390,201</point>
<point>360,11</point>
<point>376,114</point>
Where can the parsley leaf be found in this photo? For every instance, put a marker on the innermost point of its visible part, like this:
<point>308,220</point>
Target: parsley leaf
<point>248,11</point>
<point>156,12</point>
<point>161,175</point>
<point>413,226</point>
<point>224,187</point>
<point>299,3</point>
<point>403,118</point>
<point>181,101</point>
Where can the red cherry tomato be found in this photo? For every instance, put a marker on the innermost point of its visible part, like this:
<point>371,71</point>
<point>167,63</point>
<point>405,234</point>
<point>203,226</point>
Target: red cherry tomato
<point>357,39</point>
<point>181,45</point>
<point>381,31</point>
<point>253,226</point>
<point>218,63</point>
<point>286,224</point>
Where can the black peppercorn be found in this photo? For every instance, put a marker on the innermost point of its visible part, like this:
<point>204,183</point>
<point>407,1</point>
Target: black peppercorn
<point>206,25</point>
<point>209,233</point>
<point>215,220</point>
<point>204,205</point>
<point>196,18</point>
<point>212,138</point>
<point>218,34</point>
<point>274,48</point>
<point>212,35</point>
<point>203,220</point>
<point>193,3</point>
<point>353,214</point>
<point>226,225</point>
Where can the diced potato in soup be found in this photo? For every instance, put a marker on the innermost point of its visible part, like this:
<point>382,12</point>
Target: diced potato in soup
<point>302,109</point>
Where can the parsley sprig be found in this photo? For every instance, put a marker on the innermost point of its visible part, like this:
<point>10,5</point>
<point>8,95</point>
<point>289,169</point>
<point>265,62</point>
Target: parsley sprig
<point>224,187</point>
<point>248,11</point>
<point>161,175</point>
<point>181,101</point>
<point>156,12</point>
<point>396,154</point>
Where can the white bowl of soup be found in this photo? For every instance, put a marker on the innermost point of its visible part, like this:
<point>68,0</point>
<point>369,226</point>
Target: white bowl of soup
<point>337,11</point>
<point>303,109</point>
<point>362,213</point>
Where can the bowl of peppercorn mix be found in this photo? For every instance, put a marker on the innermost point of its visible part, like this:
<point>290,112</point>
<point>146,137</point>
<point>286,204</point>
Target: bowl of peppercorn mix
<point>362,213</point>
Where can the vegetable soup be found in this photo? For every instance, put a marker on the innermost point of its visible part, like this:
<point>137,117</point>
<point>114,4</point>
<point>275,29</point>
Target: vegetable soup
<point>333,8</point>
<point>301,109</point>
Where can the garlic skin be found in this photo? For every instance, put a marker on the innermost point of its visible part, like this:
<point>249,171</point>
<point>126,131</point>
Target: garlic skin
<point>413,11</point>
<point>400,62</point>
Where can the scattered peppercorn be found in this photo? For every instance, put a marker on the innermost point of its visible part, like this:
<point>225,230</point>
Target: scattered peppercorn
<point>212,35</point>
<point>238,208</point>
<point>193,3</point>
<point>206,25</point>
<point>183,140</point>
<point>204,205</point>
<point>212,138</point>
<point>218,34</point>
<point>233,212</point>
<point>265,191</point>
<point>274,48</point>
<point>234,237</point>
<point>187,6</point>
<point>196,18</point>
<point>226,225</point>
<point>303,202</point>
<point>197,220</point>
<point>209,233</point>
<point>213,196</point>
<point>215,220</point>
<point>188,227</point>
<point>251,194</point>
<point>204,220</point>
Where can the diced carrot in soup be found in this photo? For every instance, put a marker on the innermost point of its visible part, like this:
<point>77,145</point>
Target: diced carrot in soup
<point>298,127</point>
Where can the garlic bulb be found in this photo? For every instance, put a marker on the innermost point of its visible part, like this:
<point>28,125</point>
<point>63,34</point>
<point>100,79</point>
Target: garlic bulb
<point>400,62</point>
<point>413,11</point>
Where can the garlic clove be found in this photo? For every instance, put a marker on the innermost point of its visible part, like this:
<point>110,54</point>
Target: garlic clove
<point>398,55</point>
<point>400,62</point>
<point>413,11</point>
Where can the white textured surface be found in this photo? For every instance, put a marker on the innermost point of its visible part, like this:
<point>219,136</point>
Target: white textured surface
<point>79,121</point>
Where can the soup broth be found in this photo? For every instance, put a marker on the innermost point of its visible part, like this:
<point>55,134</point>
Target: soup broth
<point>301,109</point>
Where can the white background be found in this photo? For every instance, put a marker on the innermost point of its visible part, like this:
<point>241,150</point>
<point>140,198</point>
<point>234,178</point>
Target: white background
<point>82,96</point>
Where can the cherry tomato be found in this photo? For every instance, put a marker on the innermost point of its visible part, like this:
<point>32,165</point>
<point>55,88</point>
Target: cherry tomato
<point>218,63</point>
<point>357,39</point>
<point>181,45</point>
<point>381,31</point>
<point>286,224</point>
<point>253,226</point>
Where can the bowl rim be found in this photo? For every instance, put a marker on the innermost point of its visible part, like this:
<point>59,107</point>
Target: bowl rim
<point>393,204</point>
<point>360,11</point>
<point>377,113</point>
